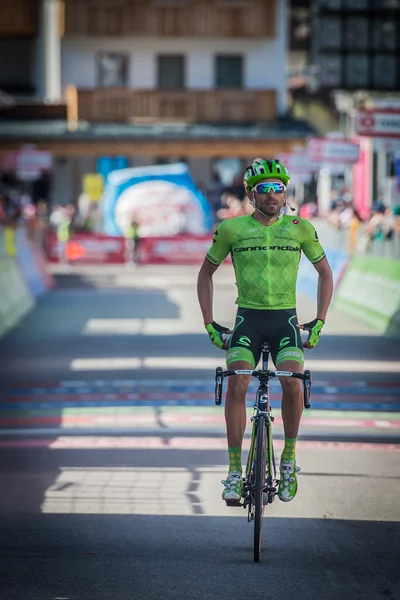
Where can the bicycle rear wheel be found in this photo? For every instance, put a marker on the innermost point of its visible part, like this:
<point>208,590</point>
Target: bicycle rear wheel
<point>260,474</point>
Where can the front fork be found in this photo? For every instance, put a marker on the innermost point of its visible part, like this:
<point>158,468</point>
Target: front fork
<point>248,484</point>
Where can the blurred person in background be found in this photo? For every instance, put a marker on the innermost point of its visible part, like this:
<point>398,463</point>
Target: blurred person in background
<point>3,213</point>
<point>396,221</point>
<point>41,224</point>
<point>65,230</point>
<point>214,193</point>
<point>132,242</point>
<point>232,207</point>
<point>308,211</point>
<point>379,224</point>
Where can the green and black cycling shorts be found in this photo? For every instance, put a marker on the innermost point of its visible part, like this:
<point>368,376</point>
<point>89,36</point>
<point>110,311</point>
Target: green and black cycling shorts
<point>254,326</point>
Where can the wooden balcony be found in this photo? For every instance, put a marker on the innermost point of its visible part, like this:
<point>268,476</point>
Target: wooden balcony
<point>19,18</point>
<point>174,18</point>
<point>124,105</point>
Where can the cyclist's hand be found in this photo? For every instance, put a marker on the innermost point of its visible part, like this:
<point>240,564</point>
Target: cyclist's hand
<point>314,329</point>
<point>218,335</point>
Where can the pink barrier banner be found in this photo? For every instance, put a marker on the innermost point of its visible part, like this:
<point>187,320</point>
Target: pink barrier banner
<point>87,248</point>
<point>178,250</point>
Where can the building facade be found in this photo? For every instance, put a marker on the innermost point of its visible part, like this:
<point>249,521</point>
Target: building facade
<point>152,81</point>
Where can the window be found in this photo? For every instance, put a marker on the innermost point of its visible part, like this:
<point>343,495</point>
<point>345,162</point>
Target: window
<point>331,70</point>
<point>387,4</point>
<point>384,35</point>
<point>229,72</point>
<point>357,71</point>
<point>330,33</point>
<point>356,33</point>
<point>385,72</point>
<point>112,69</point>
<point>355,5</point>
<point>330,4</point>
<point>171,72</point>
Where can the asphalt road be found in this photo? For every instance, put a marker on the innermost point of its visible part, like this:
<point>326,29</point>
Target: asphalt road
<point>112,454</point>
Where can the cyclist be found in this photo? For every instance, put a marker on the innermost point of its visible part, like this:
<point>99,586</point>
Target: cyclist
<point>265,247</point>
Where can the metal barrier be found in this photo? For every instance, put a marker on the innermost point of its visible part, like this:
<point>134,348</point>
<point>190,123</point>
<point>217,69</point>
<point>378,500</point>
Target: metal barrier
<point>356,242</point>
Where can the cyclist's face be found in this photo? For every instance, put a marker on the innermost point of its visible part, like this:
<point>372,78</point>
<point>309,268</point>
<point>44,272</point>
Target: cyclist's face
<point>272,202</point>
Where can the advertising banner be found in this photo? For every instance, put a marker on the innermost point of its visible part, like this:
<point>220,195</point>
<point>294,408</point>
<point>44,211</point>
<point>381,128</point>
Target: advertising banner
<point>370,289</point>
<point>174,250</point>
<point>378,123</point>
<point>299,162</point>
<point>88,248</point>
<point>163,199</point>
<point>332,150</point>
<point>28,163</point>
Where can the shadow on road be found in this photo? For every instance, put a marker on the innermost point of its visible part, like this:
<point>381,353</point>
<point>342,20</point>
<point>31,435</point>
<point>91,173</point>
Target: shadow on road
<point>94,524</point>
<point>98,557</point>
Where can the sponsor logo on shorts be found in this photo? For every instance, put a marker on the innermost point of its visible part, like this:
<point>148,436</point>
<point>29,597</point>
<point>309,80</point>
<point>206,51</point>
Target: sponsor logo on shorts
<point>289,353</point>
<point>232,354</point>
<point>284,342</point>
<point>244,340</point>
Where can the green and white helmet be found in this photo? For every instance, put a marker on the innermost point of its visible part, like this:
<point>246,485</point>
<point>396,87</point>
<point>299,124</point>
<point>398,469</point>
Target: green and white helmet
<point>262,168</point>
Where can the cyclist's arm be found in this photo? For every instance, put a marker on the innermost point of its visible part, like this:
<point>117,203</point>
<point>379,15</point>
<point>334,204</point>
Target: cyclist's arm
<point>217,253</point>
<point>205,290</point>
<point>325,288</point>
<point>315,253</point>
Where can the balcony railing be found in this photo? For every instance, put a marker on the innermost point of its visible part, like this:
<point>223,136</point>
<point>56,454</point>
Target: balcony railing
<point>175,18</point>
<point>124,105</point>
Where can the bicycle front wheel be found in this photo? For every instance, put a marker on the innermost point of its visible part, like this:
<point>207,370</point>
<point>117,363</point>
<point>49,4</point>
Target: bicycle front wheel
<point>260,474</point>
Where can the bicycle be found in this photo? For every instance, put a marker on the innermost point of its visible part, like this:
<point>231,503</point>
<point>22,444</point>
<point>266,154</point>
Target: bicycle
<point>260,484</point>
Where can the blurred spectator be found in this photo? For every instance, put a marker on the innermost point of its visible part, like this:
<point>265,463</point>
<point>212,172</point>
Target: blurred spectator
<point>396,221</point>
<point>3,213</point>
<point>378,225</point>
<point>41,224</point>
<point>132,242</point>
<point>56,215</point>
<point>214,194</point>
<point>237,187</point>
<point>65,228</point>
<point>308,210</point>
<point>232,207</point>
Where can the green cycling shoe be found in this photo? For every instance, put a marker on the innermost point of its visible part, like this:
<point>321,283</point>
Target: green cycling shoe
<point>288,481</point>
<point>233,487</point>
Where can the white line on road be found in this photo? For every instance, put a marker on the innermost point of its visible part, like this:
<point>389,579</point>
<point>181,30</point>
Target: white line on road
<point>187,362</point>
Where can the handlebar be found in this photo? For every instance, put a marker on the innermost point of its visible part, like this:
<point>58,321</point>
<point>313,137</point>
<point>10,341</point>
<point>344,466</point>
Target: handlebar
<point>220,374</point>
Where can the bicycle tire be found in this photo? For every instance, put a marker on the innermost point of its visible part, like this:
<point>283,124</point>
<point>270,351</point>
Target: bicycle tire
<point>260,473</point>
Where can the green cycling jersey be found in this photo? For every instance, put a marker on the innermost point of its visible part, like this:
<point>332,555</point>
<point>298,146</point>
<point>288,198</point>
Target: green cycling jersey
<point>266,259</point>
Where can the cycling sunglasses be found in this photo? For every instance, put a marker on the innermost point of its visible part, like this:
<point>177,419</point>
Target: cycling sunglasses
<point>268,186</point>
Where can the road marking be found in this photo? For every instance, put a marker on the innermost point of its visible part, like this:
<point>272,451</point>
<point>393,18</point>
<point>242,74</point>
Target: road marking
<point>177,443</point>
<point>189,384</point>
<point>85,418</point>
<point>186,362</point>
